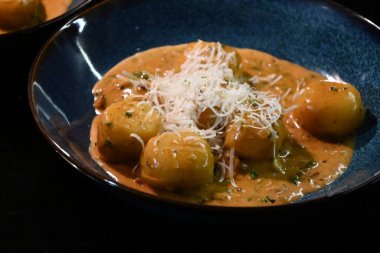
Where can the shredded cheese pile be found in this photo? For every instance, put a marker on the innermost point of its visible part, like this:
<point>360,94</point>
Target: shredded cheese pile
<point>206,81</point>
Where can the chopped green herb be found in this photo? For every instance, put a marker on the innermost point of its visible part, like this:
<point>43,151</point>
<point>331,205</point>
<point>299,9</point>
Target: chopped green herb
<point>108,144</point>
<point>108,124</point>
<point>268,199</point>
<point>295,180</point>
<point>278,165</point>
<point>310,164</point>
<point>128,114</point>
<point>249,199</point>
<point>141,75</point>
<point>253,174</point>
<point>253,102</point>
<point>332,88</point>
<point>283,153</point>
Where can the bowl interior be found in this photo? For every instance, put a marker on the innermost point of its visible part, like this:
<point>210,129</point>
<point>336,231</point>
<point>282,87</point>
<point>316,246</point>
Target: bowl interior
<point>316,34</point>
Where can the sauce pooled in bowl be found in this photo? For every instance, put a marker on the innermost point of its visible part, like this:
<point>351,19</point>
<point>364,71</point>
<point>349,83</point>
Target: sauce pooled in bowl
<point>213,124</point>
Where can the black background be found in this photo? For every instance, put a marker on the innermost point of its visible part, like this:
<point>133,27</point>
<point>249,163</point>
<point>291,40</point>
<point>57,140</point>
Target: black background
<point>47,206</point>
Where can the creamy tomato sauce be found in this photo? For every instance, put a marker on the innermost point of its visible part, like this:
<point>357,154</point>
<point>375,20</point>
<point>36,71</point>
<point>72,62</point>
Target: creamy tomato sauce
<point>268,187</point>
<point>48,10</point>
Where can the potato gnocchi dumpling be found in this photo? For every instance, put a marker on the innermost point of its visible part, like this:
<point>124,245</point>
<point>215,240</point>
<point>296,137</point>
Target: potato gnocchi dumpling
<point>330,109</point>
<point>249,141</point>
<point>177,160</point>
<point>112,89</point>
<point>123,125</point>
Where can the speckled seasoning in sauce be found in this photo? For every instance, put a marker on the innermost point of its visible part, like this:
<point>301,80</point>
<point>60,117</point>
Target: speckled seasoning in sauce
<point>312,162</point>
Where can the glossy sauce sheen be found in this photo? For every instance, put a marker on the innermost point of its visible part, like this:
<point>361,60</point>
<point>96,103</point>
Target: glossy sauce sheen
<point>270,188</point>
<point>52,9</point>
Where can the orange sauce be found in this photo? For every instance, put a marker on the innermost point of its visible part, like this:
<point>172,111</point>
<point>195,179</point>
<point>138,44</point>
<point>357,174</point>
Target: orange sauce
<point>269,188</point>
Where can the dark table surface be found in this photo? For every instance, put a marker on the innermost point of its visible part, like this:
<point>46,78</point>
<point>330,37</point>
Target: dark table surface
<point>48,206</point>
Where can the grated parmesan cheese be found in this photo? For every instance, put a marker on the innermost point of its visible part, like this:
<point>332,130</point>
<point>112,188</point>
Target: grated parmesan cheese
<point>139,139</point>
<point>206,81</point>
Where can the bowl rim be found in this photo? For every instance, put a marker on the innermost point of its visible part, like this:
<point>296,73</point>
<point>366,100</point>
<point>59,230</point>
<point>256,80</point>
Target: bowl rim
<point>112,185</point>
<point>35,27</point>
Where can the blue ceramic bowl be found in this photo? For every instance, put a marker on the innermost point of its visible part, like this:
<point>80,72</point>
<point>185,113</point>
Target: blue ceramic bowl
<point>316,34</point>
